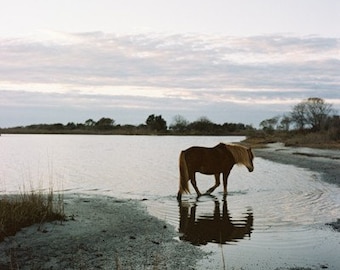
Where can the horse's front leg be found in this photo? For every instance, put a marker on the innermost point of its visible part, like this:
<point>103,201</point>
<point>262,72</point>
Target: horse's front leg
<point>217,183</point>
<point>225,182</point>
<point>193,182</point>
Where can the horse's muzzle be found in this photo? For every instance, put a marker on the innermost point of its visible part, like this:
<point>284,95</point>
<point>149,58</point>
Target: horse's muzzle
<point>250,169</point>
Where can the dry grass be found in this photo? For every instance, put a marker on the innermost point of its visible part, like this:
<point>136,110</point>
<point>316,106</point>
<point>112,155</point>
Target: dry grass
<point>314,140</point>
<point>294,139</point>
<point>19,211</point>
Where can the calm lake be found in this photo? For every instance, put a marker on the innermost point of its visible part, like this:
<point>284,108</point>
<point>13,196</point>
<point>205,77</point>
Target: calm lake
<point>272,218</point>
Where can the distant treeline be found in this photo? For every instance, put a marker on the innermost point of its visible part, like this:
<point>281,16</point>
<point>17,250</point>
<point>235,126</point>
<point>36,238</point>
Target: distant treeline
<point>313,115</point>
<point>154,125</point>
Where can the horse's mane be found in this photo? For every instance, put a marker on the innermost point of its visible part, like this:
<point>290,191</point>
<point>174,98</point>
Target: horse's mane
<point>241,154</point>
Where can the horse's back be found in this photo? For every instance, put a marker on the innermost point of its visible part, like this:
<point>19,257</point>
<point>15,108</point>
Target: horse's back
<point>201,153</point>
<point>208,160</point>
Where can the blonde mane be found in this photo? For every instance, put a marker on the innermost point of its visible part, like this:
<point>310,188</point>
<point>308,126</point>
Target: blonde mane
<point>241,154</point>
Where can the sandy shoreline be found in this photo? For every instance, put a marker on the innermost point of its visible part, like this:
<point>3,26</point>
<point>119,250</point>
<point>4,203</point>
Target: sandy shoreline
<point>101,233</point>
<point>107,233</point>
<point>326,162</point>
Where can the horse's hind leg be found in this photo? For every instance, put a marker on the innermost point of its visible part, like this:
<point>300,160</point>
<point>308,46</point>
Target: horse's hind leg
<point>194,184</point>
<point>217,183</point>
<point>225,183</point>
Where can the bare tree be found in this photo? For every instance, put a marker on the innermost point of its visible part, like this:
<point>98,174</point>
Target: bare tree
<point>269,124</point>
<point>317,112</point>
<point>312,112</point>
<point>298,115</point>
<point>285,122</point>
<point>179,123</point>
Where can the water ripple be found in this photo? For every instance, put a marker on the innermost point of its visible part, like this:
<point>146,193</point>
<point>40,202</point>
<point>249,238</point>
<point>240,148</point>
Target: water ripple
<point>289,205</point>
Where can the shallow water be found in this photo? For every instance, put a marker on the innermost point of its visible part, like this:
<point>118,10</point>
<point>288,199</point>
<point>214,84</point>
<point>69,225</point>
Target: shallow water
<point>273,217</point>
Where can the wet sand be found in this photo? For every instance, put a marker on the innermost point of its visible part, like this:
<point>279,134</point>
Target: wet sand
<point>326,162</point>
<point>101,233</point>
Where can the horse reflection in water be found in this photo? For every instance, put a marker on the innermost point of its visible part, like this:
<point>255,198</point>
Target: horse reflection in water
<point>215,228</point>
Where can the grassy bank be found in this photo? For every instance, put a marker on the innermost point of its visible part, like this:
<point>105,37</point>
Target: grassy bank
<point>19,211</point>
<point>321,140</point>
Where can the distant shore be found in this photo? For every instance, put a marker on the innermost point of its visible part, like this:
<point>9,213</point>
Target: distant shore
<point>324,161</point>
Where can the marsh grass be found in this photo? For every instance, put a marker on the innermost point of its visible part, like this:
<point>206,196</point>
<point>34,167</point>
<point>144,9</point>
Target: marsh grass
<point>323,140</point>
<point>28,208</point>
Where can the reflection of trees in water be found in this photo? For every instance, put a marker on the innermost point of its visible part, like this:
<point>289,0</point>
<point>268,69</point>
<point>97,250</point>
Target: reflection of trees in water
<point>215,228</point>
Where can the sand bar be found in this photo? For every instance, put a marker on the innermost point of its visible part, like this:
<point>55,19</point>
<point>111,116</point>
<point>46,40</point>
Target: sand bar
<point>101,233</point>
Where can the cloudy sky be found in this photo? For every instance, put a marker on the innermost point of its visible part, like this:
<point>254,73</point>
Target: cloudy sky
<point>231,61</point>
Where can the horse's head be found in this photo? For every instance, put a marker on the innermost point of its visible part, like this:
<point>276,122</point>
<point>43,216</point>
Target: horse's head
<point>242,155</point>
<point>250,165</point>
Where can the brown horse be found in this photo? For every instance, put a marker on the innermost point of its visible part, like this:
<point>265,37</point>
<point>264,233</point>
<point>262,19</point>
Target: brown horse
<point>211,161</point>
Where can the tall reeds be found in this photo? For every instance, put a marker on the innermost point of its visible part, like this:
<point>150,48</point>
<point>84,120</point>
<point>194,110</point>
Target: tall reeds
<point>28,208</point>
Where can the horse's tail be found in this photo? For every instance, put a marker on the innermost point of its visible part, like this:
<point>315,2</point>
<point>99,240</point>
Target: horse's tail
<point>183,176</point>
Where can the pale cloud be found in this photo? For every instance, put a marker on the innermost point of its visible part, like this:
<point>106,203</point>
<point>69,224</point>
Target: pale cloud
<point>195,74</point>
